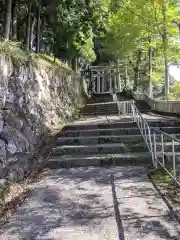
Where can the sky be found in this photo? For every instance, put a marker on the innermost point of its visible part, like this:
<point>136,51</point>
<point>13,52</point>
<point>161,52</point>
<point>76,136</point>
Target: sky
<point>174,71</point>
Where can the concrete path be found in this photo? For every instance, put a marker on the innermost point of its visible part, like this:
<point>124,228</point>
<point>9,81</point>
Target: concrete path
<point>117,203</point>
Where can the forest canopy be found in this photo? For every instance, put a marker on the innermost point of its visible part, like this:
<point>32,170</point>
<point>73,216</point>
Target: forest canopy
<point>142,34</point>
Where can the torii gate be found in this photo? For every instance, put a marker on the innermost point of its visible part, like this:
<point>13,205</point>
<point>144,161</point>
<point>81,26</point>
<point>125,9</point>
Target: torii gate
<point>105,79</point>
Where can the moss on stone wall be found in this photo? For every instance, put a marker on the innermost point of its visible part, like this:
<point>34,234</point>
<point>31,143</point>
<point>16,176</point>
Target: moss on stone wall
<point>36,96</point>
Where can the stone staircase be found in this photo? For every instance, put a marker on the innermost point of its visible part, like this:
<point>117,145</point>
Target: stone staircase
<point>108,108</point>
<point>100,98</point>
<point>100,104</point>
<point>142,106</point>
<point>107,143</point>
<point>100,138</point>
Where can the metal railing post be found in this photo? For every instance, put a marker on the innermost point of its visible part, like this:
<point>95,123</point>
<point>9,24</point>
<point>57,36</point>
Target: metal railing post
<point>158,154</point>
<point>162,149</point>
<point>154,144</point>
<point>174,161</point>
<point>151,146</point>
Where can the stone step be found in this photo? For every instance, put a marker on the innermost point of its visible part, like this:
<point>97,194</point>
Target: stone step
<point>166,138</point>
<point>158,137</point>
<point>89,149</point>
<point>114,131</point>
<point>99,148</point>
<point>100,126</point>
<point>100,107</point>
<point>144,110</point>
<point>101,97</point>
<point>105,113</point>
<point>101,110</point>
<point>131,139</point>
<point>96,111</point>
<point>169,130</point>
<point>102,103</point>
<point>99,100</point>
<point>162,123</point>
<point>168,146</point>
<point>99,139</point>
<point>139,147</point>
<point>169,159</point>
<point>142,105</point>
<point>100,160</point>
<point>105,103</point>
<point>98,132</point>
<point>95,106</point>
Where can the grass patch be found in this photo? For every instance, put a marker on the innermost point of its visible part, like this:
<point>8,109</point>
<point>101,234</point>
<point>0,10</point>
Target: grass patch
<point>165,184</point>
<point>17,52</point>
<point>50,61</point>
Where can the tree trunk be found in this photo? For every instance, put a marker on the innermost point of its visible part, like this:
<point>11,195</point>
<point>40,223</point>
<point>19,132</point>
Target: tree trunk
<point>135,79</point>
<point>126,76</point>
<point>165,47</point>
<point>28,30</point>
<point>14,20</point>
<point>136,70</point>
<point>32,32</point>
<point>38,29</point>
<point>119,76</point>
<point>54,48</point>
<point>74,64</point>
<point>8,14</point>
<point>150,68</point>
<point>138,64</point>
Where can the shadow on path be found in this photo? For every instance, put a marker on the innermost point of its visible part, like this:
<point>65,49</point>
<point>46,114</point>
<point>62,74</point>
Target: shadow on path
<point>84,203</point>
<point>116,211</point>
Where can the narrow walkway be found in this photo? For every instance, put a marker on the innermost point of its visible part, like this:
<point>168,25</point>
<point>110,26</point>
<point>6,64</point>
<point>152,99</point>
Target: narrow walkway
<point>117,203</point>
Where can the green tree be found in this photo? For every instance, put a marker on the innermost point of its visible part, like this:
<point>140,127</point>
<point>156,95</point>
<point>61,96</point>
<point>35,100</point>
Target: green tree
<point>130,28</point>
<point>7,22</point>
<point>63,28</point>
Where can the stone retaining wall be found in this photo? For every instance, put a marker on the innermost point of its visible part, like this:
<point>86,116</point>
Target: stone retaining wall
<point>33,101</point>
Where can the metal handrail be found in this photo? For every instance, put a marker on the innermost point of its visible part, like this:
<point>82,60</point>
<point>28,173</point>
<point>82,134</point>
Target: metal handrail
<point>124,107</point>
<point>166,159</point>
<point>166,134</point>
<point>129,107</point>
<point>159,154</point>
<point>143,127</point>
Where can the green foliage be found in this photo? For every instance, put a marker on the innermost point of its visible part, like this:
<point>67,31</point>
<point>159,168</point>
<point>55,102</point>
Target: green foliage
<point>72,29</point>
<point>15,51</point>
<point>20,56</point>
<point>87,49</point>
<point>51,62</point>
<point>175,91</point>
<point>128,32</point>
<point>165,184</point>
<point>65,27</point>
<point>103,30</point>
